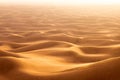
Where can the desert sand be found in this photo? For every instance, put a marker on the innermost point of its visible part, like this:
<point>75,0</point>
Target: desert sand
<point>59,43</point>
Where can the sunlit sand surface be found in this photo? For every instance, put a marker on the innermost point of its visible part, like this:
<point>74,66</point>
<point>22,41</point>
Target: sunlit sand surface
<point>59,43</point>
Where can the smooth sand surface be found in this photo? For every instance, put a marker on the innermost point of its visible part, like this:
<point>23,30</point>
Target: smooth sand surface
<point>49,43</point>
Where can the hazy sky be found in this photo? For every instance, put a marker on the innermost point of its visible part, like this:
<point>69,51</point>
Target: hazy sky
<point>63,1</point>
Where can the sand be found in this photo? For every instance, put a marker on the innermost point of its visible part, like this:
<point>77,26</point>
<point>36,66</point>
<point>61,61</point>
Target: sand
<point>50,43</point>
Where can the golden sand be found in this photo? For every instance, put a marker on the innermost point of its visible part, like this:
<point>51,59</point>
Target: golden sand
<point>53,44</point>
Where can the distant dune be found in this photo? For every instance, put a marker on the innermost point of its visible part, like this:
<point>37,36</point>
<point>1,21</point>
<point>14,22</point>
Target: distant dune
<point>50,43</point>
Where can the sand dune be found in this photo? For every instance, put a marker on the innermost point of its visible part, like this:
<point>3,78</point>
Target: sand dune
<point>39,44</point>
